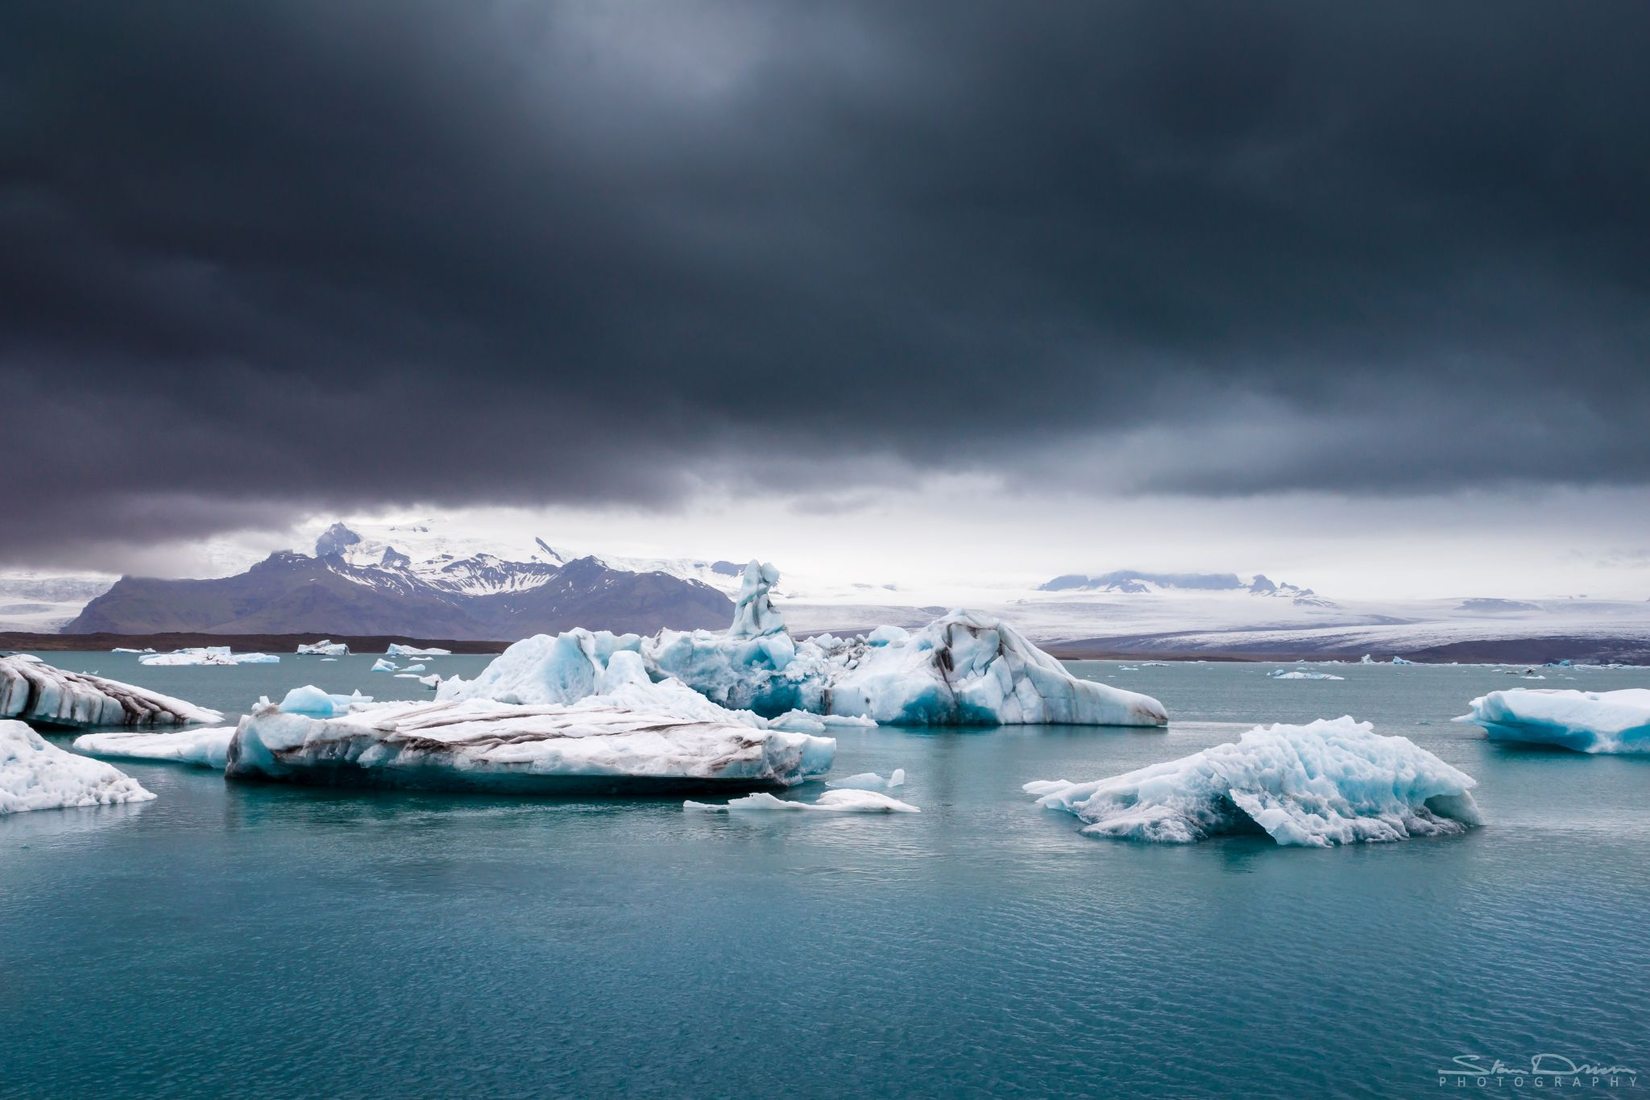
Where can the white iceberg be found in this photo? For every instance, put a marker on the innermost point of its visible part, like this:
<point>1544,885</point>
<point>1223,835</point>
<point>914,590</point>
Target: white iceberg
<point>128,649</point>
<point>37,775</point>
<point>869,781</point>
<point>312,701</point>
<point>207,655</point>
<point>396,649</point>
<point>1330,782</point>
<point>1302,674</point>
<point>1583,721</point>
<point>1401,661</point>
<point>202,748</point>
<point>963,669</point>
<point>36,692</point>
<point>620,743</point>
<point>381,665</point>
<point>326,647</point>
<point>415,667</point>
<point>835,802</point>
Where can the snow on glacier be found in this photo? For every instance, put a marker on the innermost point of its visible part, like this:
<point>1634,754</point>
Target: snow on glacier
<point>37,775</point>
<point>962,669</point>
<point>1583,721</point>
<point>1326,783</point>
<point>201,748</point>
<point>844,801</point>
<point>37,692</point>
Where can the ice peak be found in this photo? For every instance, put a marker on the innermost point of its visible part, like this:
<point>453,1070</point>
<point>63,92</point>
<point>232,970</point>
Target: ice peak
<point>334,540</point>
<point>754,616</point>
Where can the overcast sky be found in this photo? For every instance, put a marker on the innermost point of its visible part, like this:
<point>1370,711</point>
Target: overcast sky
<point>1355,292</point>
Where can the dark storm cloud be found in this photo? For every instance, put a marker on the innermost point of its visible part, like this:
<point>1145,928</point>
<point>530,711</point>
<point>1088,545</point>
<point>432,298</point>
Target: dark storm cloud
<point>256,258</point>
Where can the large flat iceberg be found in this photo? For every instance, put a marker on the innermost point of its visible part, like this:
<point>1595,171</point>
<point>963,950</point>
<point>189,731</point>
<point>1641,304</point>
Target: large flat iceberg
<point>963,669</point>
<point>1583,721</point>
<point>835,802</point>
<point>201,748</point>
<point>36,692</point>
<point>37,775</point>
<point>630,736</point>
<point>326,647</point>
<point>1330,782</point>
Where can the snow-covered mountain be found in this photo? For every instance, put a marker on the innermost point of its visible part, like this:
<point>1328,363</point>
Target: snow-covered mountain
<point>420,582</point>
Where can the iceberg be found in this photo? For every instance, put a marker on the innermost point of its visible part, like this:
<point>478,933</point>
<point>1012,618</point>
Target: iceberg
<point>396,649</point>
<point>381,665</point>
<point>836,802</point>
<point>963,669</point>
<point>869,781</point>
<point>37,775</point>
<point>127,649</point>
<point>1401,661</point>
<point>312,701</point>
<point>36,692</point>
<point>326,647</point>
<point>1582,721</point>
<point>201,748</point>
<point>1301,674</point>
<point>207,655</point>
<point>1327,783</point>
<point>635,739</point>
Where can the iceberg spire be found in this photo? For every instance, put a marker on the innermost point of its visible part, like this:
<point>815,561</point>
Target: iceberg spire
<point>754,616</point>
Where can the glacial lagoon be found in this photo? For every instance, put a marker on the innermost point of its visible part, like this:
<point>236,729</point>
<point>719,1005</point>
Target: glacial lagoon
<point>245,940</point>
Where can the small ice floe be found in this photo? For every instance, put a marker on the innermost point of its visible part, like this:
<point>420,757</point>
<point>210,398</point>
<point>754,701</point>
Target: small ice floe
<point>800,721</point>
<point>842,801</point>
<point>1401,661</point>
<point>1366,659</point>
<point>381,665</point>
<point>869,781</point>
<point>396,649</point>
<point>326,647</point>
<point>1318,785</point>
<point>1302,674</point>
<point>433,680</point>
<point>312,702</point>
<point>124,649</point>
<point>36,692</point>
<point>37,775</point>
<point>415,667</point>
<point>1582,721</point>
<point>219,655</point>
<point>201,748</point>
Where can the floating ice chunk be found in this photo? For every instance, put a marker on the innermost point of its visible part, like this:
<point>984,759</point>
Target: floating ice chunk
<point>205,656</point>
<point>1401,661</point>
<point>326,647</point>
<point>1326,783</point>
<point>844,801</point>
<point>801,721</point>
<point>382,665</point>
<point>37,775</point>
<point>973,669</point>
<point>396,649</point>
<point>1302,674</point>
<point>201,748</point>
<point>1366,659</point>
<point>632,740</point>
<point>36,692</point>
<point>415,667</point>
<point>869,781</point>
<point>430,681</point>
<point>1583,721</point>
<point>312,701</point>
<point>124,649</point>
<point>963,669</point>
<point>754,614</point>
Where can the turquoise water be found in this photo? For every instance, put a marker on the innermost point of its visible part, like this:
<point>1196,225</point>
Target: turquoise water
<point>273,941</point>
